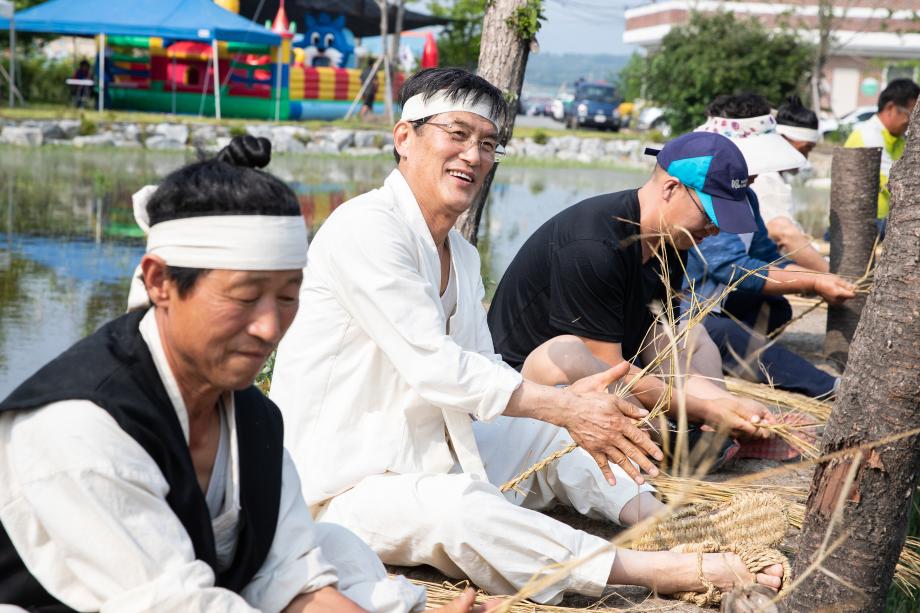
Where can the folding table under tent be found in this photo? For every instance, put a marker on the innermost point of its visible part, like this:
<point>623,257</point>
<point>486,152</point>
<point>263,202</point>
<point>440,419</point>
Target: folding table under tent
<point>187,20</point>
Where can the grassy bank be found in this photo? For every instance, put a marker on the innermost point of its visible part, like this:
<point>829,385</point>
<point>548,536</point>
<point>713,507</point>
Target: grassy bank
<point>48,112</point>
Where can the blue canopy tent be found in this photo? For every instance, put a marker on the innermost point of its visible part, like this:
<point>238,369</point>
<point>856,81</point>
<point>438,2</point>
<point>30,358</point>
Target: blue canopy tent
<point>197,20</point>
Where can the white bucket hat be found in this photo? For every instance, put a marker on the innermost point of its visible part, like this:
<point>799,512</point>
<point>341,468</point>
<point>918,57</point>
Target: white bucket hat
<point>764,150</point>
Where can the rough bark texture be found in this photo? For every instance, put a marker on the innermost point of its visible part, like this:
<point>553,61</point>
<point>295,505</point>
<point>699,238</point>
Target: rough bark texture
<point>879,397</point>
<point>502,60</point>
<point>854,199</point>
<point>825,25</point>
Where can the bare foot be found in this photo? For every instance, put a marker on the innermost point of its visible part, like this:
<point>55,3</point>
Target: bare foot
<point>465,603</point>
<point>667,572</point>
<point>726,571</point>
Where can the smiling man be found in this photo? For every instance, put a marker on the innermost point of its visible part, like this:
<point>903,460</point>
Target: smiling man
<point>404,422</point>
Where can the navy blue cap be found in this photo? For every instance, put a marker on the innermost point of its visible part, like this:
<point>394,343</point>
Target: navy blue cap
<point>712,165</point>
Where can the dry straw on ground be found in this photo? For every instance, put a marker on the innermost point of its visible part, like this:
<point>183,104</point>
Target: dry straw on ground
<point>683,487</point>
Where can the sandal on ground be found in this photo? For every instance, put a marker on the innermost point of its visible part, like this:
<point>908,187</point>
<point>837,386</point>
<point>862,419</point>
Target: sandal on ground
<point>755,558</point>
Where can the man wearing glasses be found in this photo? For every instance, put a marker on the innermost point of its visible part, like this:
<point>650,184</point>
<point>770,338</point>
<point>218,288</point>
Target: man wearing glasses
<point>404,420</point>
<point>576,298</point>
<point>886,129</point>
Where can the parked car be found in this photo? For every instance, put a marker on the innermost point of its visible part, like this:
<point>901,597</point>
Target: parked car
<point>537,105</point>
<point>846,123</point>
<point>652,118</point>
<point>594,106</point>
<point>561,103</point>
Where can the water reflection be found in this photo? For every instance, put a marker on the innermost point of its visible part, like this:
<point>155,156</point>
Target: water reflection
<point>68,242</point>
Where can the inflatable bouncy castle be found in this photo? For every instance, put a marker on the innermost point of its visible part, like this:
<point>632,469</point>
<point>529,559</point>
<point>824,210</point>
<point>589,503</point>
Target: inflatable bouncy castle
<point>308,76</point>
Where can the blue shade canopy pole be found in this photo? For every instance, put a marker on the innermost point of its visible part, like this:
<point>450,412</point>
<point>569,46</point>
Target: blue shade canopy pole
<point>101,71</point>
<point>278,84</point>
<point>12,57</point>
<point>216,65</point>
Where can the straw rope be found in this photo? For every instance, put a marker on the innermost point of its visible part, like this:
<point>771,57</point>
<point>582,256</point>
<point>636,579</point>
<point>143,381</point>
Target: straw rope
<point>441,594</point>
<point>755,558</point>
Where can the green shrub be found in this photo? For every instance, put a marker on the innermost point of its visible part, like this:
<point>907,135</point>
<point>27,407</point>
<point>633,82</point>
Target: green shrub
<point>237,131</point>
<point>42,80</point>
<point>722,54</point>
<point>87,127</point>
<point>540,137</point>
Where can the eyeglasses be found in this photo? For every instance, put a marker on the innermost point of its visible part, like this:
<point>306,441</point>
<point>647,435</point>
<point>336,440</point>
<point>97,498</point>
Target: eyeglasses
<point>709,224</point>
<point>489,148</point>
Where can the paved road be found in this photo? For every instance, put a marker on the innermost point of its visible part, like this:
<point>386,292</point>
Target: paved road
<point>538,121</point>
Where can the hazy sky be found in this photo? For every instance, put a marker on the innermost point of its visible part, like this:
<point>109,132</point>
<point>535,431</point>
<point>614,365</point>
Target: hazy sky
<point>583,26</point>
<point>578,26</point>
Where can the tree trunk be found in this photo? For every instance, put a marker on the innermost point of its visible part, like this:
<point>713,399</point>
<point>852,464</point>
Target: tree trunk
<point>387,75</point>
<point>397,34</point>
<point>502,60</point>
<point>825,25</point>
<point>879,396</point>
<point>854,200</point>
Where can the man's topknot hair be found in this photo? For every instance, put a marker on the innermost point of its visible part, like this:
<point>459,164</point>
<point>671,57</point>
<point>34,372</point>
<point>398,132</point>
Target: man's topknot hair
<point>228,184</point>
<point>793,113</point>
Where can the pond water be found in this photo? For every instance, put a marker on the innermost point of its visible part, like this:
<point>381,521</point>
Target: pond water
<point>68,242</point>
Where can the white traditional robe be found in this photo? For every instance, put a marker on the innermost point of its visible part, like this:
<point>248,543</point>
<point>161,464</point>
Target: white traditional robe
<point>85,507</point>
<point>383,409</point>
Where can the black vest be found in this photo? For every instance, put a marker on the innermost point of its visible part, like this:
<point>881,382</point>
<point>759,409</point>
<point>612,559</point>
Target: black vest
<point>113,368</point>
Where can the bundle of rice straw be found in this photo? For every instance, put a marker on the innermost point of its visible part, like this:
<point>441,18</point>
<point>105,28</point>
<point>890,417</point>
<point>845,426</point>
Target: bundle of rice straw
<point>820,410</point>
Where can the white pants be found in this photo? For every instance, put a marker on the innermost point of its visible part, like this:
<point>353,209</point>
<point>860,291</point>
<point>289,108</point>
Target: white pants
<point>362,577</point>
<point>468,528</point>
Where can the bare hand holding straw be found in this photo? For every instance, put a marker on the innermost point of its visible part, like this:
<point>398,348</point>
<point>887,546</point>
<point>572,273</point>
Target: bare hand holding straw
<point>602,424</point>
<point>833,289</point>
<point>740,417</point>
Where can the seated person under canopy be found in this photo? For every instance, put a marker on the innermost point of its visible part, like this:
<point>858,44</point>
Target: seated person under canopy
<point>576,298</point>
<point>404,422</point>
<point>141,470</point>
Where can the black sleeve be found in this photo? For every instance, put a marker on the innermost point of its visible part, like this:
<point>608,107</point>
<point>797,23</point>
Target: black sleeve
<point>587,291</point>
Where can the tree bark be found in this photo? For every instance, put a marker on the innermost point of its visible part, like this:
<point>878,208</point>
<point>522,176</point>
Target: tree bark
<point>397,34</point>
<point>825,26</point>
<point>854,200</point>
<point>502,60</point>
<point>387,74</point>
<point>879,397</point>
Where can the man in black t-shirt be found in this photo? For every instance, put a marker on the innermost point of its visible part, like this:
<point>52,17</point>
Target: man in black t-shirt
<point>576,298</point>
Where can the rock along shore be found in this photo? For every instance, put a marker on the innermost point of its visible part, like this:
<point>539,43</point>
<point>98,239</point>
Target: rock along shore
<point>293,139</point>
<point>332,140</point>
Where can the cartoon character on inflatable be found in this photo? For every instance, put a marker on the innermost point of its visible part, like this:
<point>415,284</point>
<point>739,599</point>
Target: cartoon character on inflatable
<point>327,42</point>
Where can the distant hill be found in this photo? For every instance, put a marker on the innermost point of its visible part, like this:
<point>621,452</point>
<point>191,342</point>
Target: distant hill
<point>547,71</point>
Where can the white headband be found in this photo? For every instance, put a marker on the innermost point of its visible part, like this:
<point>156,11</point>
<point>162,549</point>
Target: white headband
<point>806,135</point>
<point>417,107</point>
<point>231,242</point>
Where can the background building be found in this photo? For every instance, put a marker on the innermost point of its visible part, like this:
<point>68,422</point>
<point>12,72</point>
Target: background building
<point>872,41</point>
